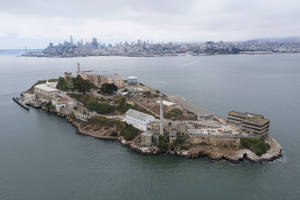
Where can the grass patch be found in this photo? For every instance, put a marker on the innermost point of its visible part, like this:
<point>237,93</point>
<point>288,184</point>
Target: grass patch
<point>258,146</point>
<point>174,114</point>
<point>129,132</point>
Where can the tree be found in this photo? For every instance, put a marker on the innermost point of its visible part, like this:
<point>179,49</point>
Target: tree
<point>82,85</point>
<point>109,88</point>
<point>62,84</point>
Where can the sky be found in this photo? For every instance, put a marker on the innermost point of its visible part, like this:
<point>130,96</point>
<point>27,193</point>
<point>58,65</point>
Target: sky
<point>35,23</point>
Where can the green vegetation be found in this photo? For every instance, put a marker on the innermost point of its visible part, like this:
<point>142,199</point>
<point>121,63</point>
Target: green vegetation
<point>203,143</point>
<point>180,141</point>
<point>175,114</point>
<point>124,129</point>
<point>185,146</point>
<point>129,132</point>
<point>62,84</point>
<point>114,134</point>
<point>77,84</point>
<point>178,114</point>
<point>53,80</point>
<point>93,105</point>
<point>162,144</point>
<point>122,106</point>
<point>49,106</point>
<point>258,146</point>
<point>109,88</point>
<point>82,85</point>
<point>72,115</point>
<point>101,108</point>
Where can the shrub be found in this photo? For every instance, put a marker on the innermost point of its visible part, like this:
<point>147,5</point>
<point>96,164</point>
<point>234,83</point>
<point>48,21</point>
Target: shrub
<point>203,143</point>
<point>185,147</point>
<point>257,145</point>
<point>174,113</point>
<point>179,141</point>
<point>162,145</point>
<point>62,84</point>
<point>109,88</point>
<point>129,132</point>
<point>114,134</point>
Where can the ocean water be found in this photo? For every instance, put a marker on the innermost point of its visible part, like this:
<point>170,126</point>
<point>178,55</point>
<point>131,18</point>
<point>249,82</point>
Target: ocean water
<point>43,157</point>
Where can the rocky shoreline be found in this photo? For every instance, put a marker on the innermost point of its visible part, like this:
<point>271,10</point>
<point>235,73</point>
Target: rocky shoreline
<point>272,154</point>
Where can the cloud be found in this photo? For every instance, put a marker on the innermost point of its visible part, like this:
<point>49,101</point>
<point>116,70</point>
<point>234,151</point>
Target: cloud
<point>156,20</point>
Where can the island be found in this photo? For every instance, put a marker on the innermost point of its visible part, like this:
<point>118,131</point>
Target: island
<point>106,106</point>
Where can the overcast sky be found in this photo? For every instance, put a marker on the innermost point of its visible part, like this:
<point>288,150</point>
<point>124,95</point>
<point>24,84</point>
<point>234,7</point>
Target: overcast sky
<point>37,22</point>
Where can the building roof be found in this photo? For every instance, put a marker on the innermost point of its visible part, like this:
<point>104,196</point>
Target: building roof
<point>245,115</point>
<point>138,114</point>
<point>167,103</point>
<point>45,87</point>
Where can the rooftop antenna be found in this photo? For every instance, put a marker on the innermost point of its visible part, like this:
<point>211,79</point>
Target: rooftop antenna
<point>161,115</point>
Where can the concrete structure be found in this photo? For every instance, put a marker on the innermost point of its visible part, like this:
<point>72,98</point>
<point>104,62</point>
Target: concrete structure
<point>59,103</point>
<point>68,75</point>
<point>250,123</point>
<point>146,139</point>
<point>100,78</point>
<point>46,92</point>
<point>161,125</point>
<point>132,81</point>
<point>112,78</point>
<point>138,119</point>
<point>28,97</point>
<point>167,103</point>
<point>84,115</point>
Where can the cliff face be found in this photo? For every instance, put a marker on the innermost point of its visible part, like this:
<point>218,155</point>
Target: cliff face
<point>233,153</point>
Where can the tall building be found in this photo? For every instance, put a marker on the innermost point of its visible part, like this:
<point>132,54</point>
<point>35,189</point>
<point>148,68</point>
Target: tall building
<point>71,40</point>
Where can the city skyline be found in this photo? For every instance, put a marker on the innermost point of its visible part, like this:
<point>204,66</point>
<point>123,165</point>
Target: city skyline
<point>35,24</point>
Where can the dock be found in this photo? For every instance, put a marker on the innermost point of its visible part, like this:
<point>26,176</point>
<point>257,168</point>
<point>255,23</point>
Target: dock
<point>20,102</point>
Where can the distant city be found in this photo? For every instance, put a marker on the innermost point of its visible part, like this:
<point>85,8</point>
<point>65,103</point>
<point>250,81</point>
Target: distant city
<point>142,48</point>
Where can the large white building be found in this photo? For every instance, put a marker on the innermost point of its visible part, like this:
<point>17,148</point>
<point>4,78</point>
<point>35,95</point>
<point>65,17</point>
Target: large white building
<point>138,119</point>
<point>45,91</point>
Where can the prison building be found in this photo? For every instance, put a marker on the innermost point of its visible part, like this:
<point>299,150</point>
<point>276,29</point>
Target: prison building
<point>249,122</point>
<point>138,119</point>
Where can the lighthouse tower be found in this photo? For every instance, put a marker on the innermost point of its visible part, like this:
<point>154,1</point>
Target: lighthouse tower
<point>161,116</point>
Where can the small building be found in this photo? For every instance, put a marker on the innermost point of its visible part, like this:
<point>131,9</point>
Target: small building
<point>172,136</point>
<point>146,139</point>
<point>68,75</point>
<point>84,115</point>
<point>250,123</point>
<point>112,78</point>
<point>46,92</point>
<point>138,119</point>
<point>59,103</point>
<point>132,81</point>
<point>100,78</point>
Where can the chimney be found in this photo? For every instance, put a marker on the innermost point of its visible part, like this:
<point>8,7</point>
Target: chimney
<point>161,116</point>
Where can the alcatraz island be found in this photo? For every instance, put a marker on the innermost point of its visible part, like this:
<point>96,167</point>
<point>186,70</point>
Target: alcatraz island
<point>104,105</point>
